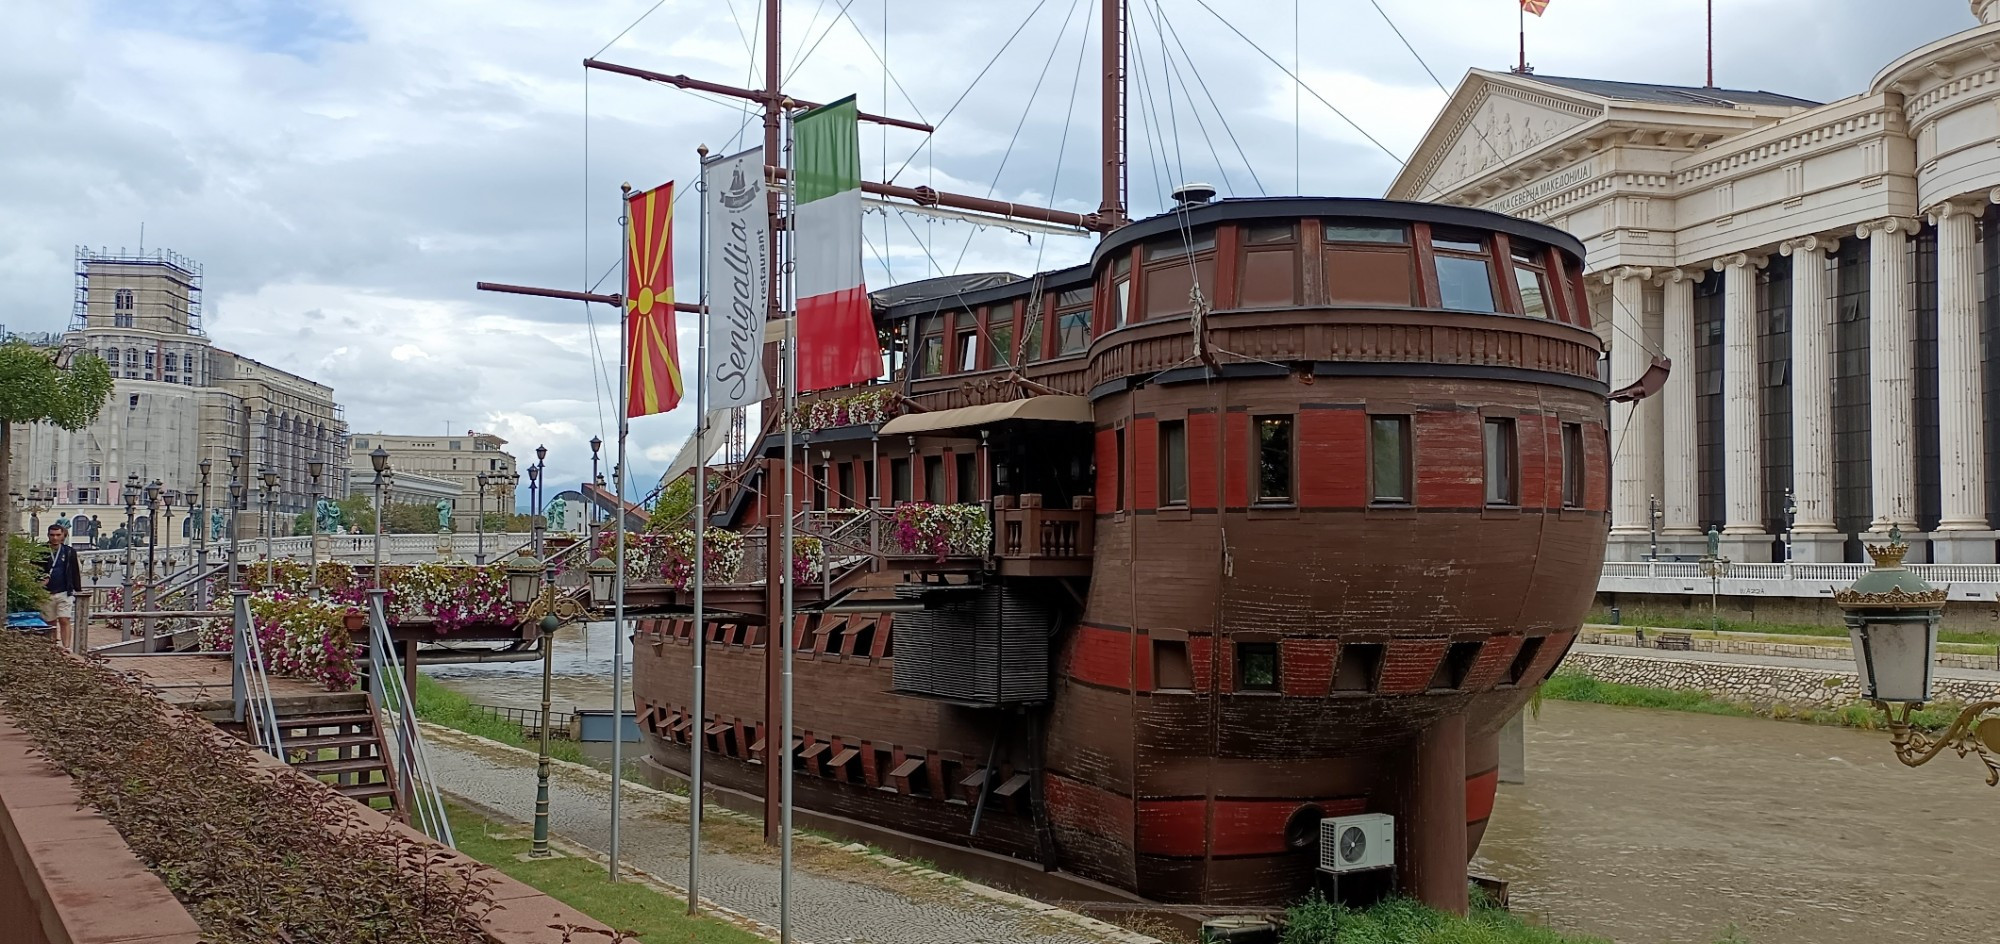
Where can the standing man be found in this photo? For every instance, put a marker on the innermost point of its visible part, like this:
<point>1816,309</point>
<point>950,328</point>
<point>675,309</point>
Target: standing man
<point>64,583</point>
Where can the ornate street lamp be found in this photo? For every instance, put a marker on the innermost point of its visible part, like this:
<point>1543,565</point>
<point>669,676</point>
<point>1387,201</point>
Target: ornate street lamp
<point>1791,510</point>
<point>602,574</point>
<point>1892,620</point>
<point>1714,566</point>
<point>198,511</point>
<point>235,502</point>
<point>168,499</point>
<point>270,524</point>
<point>131,513</point>
<point>152,492</point>
<point>483,479</point>
<point>380,460</point>
<point>314,468</point>
<point>1653,516</point>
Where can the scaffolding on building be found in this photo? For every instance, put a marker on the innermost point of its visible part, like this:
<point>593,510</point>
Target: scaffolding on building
<point>188,272</point>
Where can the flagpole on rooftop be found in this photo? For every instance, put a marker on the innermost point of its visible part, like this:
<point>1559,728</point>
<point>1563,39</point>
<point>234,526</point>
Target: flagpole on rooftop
<point>700,541</point>
<point>618,477</point>
<point>1521,14</point>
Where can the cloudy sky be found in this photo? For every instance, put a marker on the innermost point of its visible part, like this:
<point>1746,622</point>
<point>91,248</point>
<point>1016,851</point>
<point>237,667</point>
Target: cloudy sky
<point>346,169</point>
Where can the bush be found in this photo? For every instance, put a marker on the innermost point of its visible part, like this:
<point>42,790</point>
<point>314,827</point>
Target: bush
<point>255,858</point>
<point>24,574</point>
<point>1402,921</point>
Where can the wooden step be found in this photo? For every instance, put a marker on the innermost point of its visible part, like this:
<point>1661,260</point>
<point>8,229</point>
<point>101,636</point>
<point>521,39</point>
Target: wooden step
<point>327,721</point>
<point>367,791</point>
<point>324,741</point>
<point>356,765</point>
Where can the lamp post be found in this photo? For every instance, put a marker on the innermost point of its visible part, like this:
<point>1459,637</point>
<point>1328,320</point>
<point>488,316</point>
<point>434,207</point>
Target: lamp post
<point>479,521</point>
<point>314,469</point>
<point>1791,518</point>
<point>198,510</point>
<point>1714,566</point>
<point>380,460</point>
<point>38,502</point>
<point>152,492</point>
<point>235,502</point>
<point>131,513</point>
<point>168,499</point>
<point>1892,620</point>
<point>1653,517</point>
<point>270,524</point>
<point>590,507</point>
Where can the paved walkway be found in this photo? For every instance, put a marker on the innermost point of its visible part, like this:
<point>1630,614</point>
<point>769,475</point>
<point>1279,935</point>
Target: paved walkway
<point>839,895</point>
<point>1790,662</point>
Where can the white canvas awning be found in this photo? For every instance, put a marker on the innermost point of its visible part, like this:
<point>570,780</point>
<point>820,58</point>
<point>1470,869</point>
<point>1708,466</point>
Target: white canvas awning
<point>1053,408</point>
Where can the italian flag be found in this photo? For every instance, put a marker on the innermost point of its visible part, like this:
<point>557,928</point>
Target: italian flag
<point>836,330</point>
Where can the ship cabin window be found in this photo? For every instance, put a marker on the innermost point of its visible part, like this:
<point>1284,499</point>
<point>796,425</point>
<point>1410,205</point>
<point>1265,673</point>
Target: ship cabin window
<point>1121,292</point>
<point>968,349</point>
<point>1389,475</point>
<point>1000,329</point>
<point>1572,456</point>
<point>934,480</point>
<point>928,361</point>
<point>1172,670</point>
<point>1357,667</point>
<point>1073,321</point>
<point>1256,666</point>
<point>899,480</point>
<point>1368,263</point>
<point>1531,280</point>
<point>845,497</point>
<point>1176,267</point>
<point>1173,462</point>
<point>1464,271</point>
<point>968,477</point>
<point>1530,647</point>
<point>1455,666</point>
<point>1274,460</point>
<point>1032,339</point>
<point>1502,462</point>
<point>1270,266</point>
<point>1119,440</point>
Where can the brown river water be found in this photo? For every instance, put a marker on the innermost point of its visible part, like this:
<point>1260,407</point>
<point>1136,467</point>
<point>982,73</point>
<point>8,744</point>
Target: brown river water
<point>1654,827</point>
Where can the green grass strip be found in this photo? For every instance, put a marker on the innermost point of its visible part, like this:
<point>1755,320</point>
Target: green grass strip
<point>1403,921</point>
<point>1693,619</point>
<point>442,706</point>
<point>652,916</point>
<point>1570,686</point>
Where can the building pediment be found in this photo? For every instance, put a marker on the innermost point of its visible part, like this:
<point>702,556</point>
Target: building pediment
<point>1489,122</point>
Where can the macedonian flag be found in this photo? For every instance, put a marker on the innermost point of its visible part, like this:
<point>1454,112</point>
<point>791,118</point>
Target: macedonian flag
<point>654,384</point>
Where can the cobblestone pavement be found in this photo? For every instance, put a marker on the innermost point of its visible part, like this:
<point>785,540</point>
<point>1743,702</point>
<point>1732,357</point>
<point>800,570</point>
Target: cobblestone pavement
<point>838,896</point>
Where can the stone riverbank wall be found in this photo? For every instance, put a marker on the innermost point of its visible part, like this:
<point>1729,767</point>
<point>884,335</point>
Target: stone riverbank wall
<point>1763,685</point>
<point>1837,653</point>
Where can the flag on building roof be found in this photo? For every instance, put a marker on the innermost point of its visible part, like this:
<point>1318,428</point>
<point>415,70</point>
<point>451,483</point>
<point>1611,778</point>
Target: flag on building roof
<point>1535,6</point>
<point>653,384</point>
<point>836,329</point>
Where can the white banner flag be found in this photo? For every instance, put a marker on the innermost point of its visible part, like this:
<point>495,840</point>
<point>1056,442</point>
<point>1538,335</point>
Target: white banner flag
<point>738,278</point>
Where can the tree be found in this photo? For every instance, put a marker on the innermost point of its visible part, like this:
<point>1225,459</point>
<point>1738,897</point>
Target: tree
<point>35,388</point>
<point>410,518</point>
<point>674,509</point>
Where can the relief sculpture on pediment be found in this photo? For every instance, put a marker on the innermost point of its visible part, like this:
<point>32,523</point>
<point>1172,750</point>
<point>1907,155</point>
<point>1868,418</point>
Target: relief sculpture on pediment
<point>1502,128</point>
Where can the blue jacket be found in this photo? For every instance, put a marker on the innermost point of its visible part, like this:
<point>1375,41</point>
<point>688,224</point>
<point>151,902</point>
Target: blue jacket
<point>64,574</point>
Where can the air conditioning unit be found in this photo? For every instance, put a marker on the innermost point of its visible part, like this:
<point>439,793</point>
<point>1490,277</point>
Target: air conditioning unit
<point>1357,843</point>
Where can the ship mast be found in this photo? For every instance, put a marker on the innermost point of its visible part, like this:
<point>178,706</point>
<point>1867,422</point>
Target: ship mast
<point>1112,210</point>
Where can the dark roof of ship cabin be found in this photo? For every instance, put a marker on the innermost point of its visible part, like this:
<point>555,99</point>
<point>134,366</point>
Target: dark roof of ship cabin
<point>1672,94</point>
<point>940,287</point>
<point>965,291</point>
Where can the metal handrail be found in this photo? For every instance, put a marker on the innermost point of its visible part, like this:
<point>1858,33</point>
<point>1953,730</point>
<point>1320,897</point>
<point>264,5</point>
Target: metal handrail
<point>250,683</point>
<point>398,705</point>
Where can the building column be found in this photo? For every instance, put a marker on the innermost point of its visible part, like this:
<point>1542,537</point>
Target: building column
<point>1632,458</point>
<point>1741,436</point>
<point>1891,374</point>
<point>1679,448</point>
<point>1963,535</point>
<point>1812,401</point>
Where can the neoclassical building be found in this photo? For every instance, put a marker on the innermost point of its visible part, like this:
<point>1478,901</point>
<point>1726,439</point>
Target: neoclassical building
<point>1824,278</point>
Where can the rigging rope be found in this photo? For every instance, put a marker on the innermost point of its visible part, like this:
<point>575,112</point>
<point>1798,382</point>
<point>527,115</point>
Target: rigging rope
<point>1199,80</point>
<point>938,124</point>
<point>1194,108</point>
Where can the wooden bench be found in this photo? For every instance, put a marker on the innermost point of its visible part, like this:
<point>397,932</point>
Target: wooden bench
<point>1681,641</point>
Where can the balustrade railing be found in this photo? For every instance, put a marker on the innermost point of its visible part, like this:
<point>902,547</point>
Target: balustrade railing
<point>1941,575</point>
<point>1047,533</point>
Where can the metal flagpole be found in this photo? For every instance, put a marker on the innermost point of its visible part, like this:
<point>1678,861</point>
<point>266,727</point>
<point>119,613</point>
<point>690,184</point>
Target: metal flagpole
<point>618,474</point>
<point>790,371</point>
<point>700,540</point>
<point>1522,15</point>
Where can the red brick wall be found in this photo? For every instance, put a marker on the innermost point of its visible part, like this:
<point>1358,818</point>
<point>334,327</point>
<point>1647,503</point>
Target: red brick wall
<point>1204,440</point>
<point>1143,450</point>
<point>1407,665</point>
<point>1333,458</point>
<point>1236,460</point>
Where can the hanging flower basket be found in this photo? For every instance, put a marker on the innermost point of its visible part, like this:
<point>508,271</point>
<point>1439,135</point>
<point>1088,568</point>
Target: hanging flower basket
<point>942,531</point>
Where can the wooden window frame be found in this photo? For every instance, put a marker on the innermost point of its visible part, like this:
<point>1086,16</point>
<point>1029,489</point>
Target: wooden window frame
<point>1406,447</point>
<point>1244,649</point>
<point>1498,277</point>
<point>1256,459</point>
<point>1511,442</point>
<point>1574,469</point>
<point>1168,461</point>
